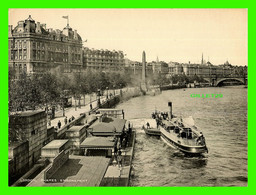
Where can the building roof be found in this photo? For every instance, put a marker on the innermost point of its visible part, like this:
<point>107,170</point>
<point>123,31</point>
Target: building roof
<point>104,127</point>
<point>109,125</point>
<point>54,144</point>
<point>75,128</point>
<point>30,26</point>
<point>98,142</point>
<point>77,171</point>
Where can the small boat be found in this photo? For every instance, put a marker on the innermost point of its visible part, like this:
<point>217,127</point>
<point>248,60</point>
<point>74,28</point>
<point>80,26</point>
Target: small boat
<point>181,134</point>
<point>150,127</point>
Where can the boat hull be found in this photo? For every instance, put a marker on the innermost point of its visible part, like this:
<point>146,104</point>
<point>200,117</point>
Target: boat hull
<point>155,132</point>
<point>195,150</point>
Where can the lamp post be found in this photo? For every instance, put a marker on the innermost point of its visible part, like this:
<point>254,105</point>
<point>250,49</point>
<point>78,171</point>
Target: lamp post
<point>90,101</point>
<point>107,92</point>
<point>62,101</point>
<point>98,94</point>
<point>121,90</point>
<point>114,90</point>
<point>79,100</point>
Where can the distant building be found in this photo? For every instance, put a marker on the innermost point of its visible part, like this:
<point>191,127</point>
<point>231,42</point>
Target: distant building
<point>103,60</point>
<point>33,48</point>
<point>174,68</point>
<point>159,66</point>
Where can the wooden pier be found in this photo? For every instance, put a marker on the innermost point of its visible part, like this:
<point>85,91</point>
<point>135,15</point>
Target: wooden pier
<point>120,176</point>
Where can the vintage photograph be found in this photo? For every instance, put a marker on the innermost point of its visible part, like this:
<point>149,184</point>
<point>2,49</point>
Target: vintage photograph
<point>127,97</point>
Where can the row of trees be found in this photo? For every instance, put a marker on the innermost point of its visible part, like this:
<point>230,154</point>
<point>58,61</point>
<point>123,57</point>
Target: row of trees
<point>45,89</point>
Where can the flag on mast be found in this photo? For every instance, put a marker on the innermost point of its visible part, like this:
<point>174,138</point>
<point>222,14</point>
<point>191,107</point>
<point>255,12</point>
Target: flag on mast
<point>66,17</point>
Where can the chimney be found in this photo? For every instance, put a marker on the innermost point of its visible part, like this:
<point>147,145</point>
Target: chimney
<point>43,26</point>
<point>170,105</point>
<point>38,27</point>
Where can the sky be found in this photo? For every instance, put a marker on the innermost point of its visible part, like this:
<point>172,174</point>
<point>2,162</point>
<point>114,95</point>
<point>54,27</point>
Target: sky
<point>179,35</point>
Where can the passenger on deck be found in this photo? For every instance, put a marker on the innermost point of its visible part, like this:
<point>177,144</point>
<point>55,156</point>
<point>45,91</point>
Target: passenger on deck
<point>59,124</point>
<point>148,125</point>
<point>66,120</point>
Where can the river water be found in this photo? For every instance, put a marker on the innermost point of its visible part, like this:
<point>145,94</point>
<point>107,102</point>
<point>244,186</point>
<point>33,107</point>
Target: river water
<point>223,122</point>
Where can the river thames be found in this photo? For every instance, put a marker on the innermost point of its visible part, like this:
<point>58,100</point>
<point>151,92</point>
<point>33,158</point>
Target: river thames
<point>223,122</point>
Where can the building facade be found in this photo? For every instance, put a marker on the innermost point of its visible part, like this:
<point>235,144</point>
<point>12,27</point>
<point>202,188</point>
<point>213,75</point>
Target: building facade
<point>103,60</point>
<point>33,48</point>
<point>207,70</point>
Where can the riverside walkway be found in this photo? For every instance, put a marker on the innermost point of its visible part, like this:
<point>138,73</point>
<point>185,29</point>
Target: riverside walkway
<point>85,106</point>
<point>73,112</point>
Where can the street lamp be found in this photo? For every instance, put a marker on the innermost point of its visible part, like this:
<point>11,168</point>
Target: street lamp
<point>107,92</point>
<point>121,89</point>
<point>98,94</point>
<point>114,90</point>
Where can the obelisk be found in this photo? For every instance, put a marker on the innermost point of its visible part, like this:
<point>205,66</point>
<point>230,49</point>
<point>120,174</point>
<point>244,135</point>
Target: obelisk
<point>143,67</point>
<point>143,78</point>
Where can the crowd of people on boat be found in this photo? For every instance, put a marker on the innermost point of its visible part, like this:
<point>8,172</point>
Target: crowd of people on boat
<point>160,115</point>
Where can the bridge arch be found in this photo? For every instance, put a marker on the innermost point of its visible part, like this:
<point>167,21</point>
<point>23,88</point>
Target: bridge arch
<point>230,79</point>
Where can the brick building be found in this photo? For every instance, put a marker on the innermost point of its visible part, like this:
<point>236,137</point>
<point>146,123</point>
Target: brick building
<point>33,48</point>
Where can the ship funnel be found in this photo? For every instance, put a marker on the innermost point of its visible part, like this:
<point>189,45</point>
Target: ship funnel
<point>170,105</point>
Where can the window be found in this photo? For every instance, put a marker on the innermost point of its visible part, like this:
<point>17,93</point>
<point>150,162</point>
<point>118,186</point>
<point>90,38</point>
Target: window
<point>24,44</point>
<point>20,54</point>
<point>33,132</point>
<point>12,55</point>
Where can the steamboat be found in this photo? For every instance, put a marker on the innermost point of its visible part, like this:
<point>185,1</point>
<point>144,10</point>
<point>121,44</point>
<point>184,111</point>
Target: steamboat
<point>180,133</point>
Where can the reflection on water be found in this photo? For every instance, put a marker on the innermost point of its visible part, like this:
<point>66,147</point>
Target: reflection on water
<point>224,124</point>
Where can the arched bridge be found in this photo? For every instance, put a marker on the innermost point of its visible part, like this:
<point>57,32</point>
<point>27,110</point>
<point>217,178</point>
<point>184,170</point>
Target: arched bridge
<point>216,81</point>
<point>219,81</point>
